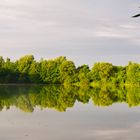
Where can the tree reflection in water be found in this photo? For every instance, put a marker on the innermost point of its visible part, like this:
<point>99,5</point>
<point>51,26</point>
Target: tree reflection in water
<point>60,98</point>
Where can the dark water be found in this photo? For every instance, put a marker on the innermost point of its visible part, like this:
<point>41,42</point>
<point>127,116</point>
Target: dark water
<point>70,113</point>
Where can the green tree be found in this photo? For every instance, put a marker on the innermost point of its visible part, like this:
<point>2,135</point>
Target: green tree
<point>49,72</point>
<point>133,73</point>
<point>83,75</point>
<point>67,72</point>
<point>24,63</point>
<point>34,73</point>
<point>23,67</point>
<point>102,71</point>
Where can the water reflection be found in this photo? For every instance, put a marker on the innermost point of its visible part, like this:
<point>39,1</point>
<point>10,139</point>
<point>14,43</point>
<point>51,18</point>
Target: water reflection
<point>60,98</point>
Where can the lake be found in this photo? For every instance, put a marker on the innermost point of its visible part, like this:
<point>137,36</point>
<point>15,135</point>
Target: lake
<point>69,113</point>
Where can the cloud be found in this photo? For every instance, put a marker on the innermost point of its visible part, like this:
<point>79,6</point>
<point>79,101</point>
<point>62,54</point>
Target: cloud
<point>128,26</point>
<point>67,27</point>
<point>110,35</point>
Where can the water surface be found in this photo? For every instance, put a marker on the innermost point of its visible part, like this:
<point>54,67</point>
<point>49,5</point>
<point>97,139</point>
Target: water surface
<point>58,113</point>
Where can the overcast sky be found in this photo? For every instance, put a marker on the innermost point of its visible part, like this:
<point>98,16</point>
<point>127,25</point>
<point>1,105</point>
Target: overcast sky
<point>86,31</point>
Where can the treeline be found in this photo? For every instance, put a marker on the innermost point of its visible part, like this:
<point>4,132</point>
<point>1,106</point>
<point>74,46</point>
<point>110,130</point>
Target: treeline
<point>60,98</point>
<point>63,71</point>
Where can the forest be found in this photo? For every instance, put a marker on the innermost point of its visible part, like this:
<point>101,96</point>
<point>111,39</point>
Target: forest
<point>27,70</point>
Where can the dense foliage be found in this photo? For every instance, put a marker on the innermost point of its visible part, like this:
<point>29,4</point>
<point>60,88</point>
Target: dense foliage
<point>63,71</point>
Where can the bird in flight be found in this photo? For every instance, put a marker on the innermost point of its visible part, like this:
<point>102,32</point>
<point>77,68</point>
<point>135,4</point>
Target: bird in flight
<point>136,15</point>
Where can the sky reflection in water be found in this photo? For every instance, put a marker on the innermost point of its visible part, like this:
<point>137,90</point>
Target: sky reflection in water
<point>82,121</point>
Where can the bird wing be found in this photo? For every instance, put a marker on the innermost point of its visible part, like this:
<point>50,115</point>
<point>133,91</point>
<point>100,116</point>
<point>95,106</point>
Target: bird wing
<point>136,15</point>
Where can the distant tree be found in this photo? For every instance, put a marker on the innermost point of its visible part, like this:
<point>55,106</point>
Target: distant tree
<point>34,73</point>
<point>23,67</point>
<point>24,63</point>
<point>63,71</point>
<point>133,73</point>
<point>67,72</point>
<point>1,61</point>
<point>49,72</point>
<point>102,71</point>
<point>83,75</point>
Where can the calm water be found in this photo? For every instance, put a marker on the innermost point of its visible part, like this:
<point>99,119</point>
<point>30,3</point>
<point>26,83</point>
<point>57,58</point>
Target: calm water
<point>58,113</point>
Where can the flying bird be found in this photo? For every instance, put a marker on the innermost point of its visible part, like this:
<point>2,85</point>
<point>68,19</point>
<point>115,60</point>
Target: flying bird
<point>136,16</point>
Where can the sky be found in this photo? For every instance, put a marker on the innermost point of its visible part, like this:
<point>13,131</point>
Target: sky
<point>85,31</point>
